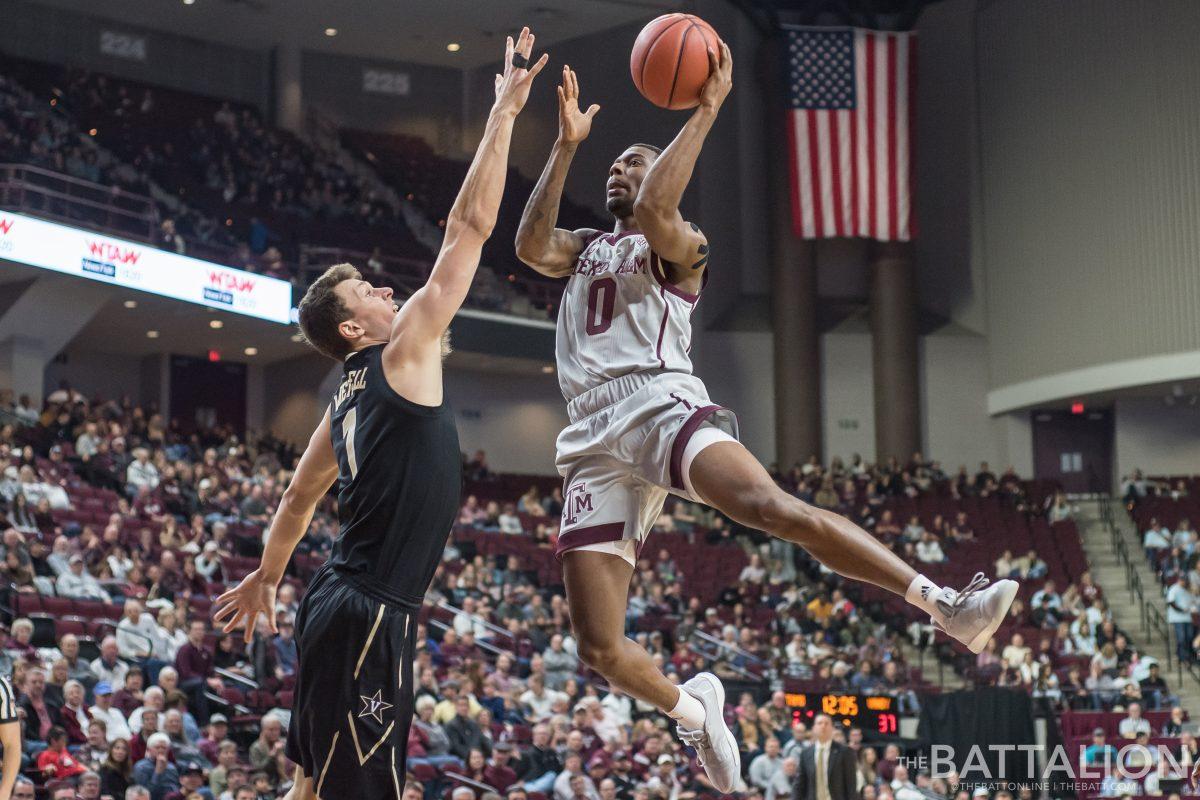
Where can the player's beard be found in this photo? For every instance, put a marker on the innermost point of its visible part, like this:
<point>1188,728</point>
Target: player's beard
<point>620,207</point>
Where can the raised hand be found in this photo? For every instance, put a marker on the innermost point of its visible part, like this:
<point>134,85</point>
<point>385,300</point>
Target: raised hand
<point>241,605</point>
<point>573,125</point>
<point>512,87</point>
<point>720,78</point>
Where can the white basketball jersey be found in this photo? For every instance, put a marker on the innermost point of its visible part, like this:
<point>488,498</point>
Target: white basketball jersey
<point>620,315</point>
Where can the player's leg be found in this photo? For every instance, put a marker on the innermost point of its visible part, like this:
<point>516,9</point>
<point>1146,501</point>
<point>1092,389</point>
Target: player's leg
<point>728,477</point>
<point>597,594</point>
<point>302,789</point>
<point>597,587</point>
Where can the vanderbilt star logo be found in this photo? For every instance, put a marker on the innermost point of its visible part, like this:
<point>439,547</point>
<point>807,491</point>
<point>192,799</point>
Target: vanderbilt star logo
<point>374,706</point>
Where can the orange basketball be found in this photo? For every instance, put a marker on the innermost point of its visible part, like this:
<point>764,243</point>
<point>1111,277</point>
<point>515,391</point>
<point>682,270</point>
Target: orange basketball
<point>669,63</point>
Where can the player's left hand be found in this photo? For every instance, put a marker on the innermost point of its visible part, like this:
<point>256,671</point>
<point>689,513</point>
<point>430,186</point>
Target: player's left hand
<point>512,88</point>
<point>241,605</point>
<point>720,78</point>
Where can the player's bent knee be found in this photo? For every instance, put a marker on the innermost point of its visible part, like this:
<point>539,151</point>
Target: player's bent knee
<point>781,514</point>
<point>601,655</point>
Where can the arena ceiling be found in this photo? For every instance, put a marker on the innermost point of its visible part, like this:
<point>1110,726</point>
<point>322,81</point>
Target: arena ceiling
<point>405,30</point>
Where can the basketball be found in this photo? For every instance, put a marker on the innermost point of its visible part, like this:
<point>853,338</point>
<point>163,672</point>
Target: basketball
<point>669,62</point>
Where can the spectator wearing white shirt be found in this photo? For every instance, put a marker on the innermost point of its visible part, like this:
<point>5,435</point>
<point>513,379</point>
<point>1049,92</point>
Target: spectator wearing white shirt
<point>1156,538</point>
<point>765,765</point>
<point>78,584</point>
<point>540,700</point>
<point>618,705</point>
<point>929,551</point>
<point>1014,652</point>
<point>87,444</point>
<point>108,667</point>
<point>60,556</point>
<point>153,701</point>
<point>34,490</point>
<point>467,621</point>
<point>117,725</point>
<point>1180,605</point>
<point>1184,537</point>
<point>509,521</point>
<point>1134,723</point>
<point>781,783</point>
<point>141,473</point>
<point>136,632</point>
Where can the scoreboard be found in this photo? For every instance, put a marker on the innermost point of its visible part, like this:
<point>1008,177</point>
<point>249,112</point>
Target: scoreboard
<point>875,713</point>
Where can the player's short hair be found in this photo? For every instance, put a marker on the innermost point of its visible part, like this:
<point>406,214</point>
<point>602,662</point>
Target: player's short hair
<point>651,147</point>
<point>321,311</point>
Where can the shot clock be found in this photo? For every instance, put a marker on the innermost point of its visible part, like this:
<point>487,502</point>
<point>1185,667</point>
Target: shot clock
<point>870,712</point>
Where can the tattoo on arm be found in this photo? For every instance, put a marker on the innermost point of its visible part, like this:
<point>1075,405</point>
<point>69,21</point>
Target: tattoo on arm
<point>703,251</point>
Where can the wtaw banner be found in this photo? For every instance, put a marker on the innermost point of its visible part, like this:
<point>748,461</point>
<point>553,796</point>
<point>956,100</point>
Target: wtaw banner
<point>48,245</point>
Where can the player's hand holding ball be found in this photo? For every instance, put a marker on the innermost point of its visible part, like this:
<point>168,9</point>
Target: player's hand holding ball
<point>720,78</point>
<point>512,87</point>
<point>573,125</point>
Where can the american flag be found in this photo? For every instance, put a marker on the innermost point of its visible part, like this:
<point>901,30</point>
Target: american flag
<point>850,129</point>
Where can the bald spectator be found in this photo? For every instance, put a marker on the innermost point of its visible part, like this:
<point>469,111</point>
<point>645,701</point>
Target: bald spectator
<point>77,668</point>
<point>136,632</point>
<point>108,667</point>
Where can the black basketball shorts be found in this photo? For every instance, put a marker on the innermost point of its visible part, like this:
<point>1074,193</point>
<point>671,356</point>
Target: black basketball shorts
<point>354,691</point>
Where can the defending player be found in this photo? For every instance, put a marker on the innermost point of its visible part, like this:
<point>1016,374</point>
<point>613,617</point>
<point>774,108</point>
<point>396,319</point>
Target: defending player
<point>389,440</point>
<point>641,425</point>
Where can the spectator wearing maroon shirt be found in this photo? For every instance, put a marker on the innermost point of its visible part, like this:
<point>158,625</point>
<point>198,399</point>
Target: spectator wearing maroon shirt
<point>129,696</point>
<point>498,772</point>
<point>74,715</point>
<point>194,662</point>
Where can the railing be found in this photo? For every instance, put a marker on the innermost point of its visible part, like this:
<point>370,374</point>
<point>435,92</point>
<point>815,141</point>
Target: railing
<point>409,274</point>
<point>721,645</point>
<point>56,196</point>
<point>1153,623</point>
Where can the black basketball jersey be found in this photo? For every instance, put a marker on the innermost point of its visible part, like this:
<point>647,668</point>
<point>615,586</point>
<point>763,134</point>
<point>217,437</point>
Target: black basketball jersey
<point>399,480</point>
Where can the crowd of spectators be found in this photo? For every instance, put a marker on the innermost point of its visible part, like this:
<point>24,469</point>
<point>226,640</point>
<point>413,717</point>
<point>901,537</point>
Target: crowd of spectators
<point>503,705</point>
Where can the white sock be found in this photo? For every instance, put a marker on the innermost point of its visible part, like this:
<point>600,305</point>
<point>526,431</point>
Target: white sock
<point>688,712</point>
<point>921,593</point>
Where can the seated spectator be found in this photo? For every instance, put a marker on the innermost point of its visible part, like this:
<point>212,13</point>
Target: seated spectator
<point>1134,723</point>
<point>108,667</point>
<point>116,771</point>
<point>155,771</point>
<point>116,726</point>
<point>78,584</point>
<point>766,765</point>
<point>1156,539</point>
<point>74,715</point>
<point>136,633</point>
<point>464,733</point>
<point>1014,653</point>
<point>929,551</point>
<point>269,744</point>
<point>55,763</point>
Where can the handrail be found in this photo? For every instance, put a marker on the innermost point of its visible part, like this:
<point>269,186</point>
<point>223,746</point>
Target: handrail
<point>471,782</point>
<point>721,643</point>
<point>1152,620</point>
<point>482,644</point>
<point>236,678</point>
<point>475,617</point>
<point>711,656</point>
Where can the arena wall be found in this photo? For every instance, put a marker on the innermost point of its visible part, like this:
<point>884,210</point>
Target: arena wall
<point>1089,136</point>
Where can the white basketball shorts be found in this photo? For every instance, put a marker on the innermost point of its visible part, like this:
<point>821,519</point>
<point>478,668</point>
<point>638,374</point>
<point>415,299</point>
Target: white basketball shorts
<point>631,441</point>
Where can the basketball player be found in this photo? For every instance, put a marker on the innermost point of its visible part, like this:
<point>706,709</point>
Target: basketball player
<point>10,739</point>
<point>389,440</point>
<point>641,425</point>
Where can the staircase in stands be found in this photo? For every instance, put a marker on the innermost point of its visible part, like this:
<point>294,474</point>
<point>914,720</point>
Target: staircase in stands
<point>1110,572</point>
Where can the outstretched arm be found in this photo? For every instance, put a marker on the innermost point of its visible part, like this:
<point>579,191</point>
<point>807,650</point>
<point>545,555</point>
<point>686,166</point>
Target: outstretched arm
<point>427,314</point>
<point>315,473</point>
<point>657,207</point>
<point>549,250</point>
